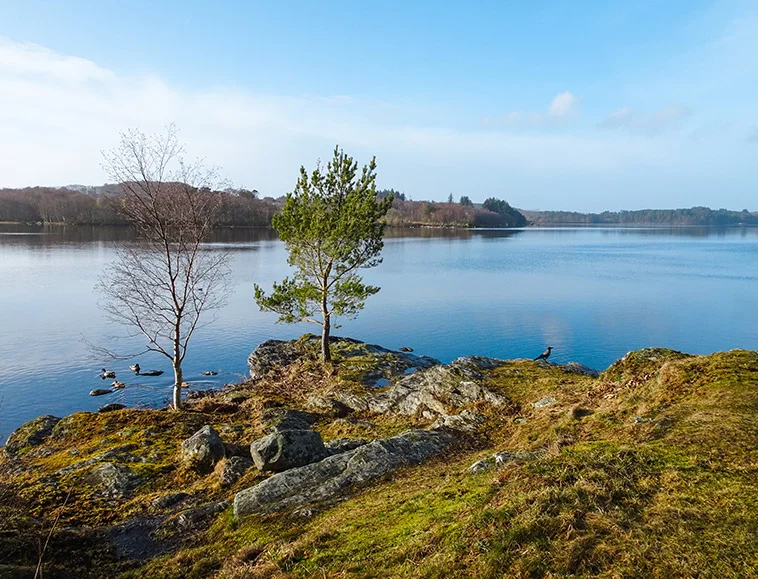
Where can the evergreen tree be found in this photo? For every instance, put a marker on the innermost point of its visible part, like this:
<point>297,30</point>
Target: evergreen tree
<point>330,225</point>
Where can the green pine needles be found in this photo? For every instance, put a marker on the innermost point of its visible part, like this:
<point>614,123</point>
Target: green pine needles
<point>331,226</point>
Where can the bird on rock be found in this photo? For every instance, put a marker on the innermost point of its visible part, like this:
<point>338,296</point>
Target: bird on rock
<point>545,355</point>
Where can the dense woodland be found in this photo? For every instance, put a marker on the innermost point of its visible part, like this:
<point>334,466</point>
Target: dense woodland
<point>702,216</point>
<point>241,207</point>
<point>99,206</point>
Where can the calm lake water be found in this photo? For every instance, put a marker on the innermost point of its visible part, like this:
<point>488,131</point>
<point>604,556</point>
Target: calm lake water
<point>592,293</point>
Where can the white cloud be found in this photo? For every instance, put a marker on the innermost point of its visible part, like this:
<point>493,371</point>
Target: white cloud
<point>24,59</point>
<point>649,124</point>
<point>563,107</point>
<point>58,112</point>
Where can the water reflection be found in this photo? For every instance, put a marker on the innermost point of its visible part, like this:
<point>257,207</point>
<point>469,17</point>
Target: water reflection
<point>593,293</point>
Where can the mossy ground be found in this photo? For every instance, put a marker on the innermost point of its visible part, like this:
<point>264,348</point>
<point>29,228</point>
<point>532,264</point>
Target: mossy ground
<point>650,470</point>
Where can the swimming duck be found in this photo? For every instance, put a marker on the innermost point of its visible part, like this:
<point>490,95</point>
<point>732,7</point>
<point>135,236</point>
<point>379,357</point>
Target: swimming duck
<point>118,385</point>
<point>209,373</point>
<point>107,374</point>
<point>135,369</point>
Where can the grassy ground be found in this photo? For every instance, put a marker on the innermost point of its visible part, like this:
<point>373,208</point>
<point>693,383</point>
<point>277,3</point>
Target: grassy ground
<point>650,470</point>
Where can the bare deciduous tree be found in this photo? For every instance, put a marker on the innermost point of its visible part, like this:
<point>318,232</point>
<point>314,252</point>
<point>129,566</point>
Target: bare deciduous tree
<point>160,285</point>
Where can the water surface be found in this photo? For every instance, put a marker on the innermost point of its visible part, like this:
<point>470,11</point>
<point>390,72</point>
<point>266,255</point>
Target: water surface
<point>591,293</point>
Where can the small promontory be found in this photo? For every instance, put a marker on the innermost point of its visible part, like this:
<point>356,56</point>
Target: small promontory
<point>385,463</point>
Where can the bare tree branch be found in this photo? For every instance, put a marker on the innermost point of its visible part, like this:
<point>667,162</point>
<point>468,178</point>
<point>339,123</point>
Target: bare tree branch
<point>162,285</point>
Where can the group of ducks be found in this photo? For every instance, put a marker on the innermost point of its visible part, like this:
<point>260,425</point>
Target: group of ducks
<point>105,374</point>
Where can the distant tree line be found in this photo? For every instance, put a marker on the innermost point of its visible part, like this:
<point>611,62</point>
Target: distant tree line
<point>100,206</point>
<point>493,213</point>
<point>702,216</point>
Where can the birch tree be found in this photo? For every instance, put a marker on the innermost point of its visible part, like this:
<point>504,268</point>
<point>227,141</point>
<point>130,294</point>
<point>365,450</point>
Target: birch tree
<point>160,286</point>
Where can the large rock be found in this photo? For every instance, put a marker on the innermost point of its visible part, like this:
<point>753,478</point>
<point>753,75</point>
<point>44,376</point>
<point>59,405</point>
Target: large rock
<point>433,392</point>
<point>203,449</point>
<point>32,433</point>
<point>270,355</point>
<point>287,449</point>
<point>334,476</point>
<point>278,419</point>
<point>112,480</point>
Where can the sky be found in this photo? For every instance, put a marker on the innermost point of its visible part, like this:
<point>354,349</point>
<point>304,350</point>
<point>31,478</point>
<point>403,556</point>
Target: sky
<point>579,105</point>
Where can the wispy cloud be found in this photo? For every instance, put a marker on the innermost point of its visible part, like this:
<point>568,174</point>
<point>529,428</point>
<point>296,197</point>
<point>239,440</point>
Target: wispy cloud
<point>649,124</point>
<point>57,113</point>
<point>563,107</point>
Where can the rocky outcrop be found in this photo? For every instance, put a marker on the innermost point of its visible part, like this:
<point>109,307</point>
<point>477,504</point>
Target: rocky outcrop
<point>270,355</point>
<point>112,480</point>
<point>32,433</point>
<point>203,449</point>
<point>287,449</point>
<point>275,354</point>
<point>334,476</point>
<point>112,407</point>
<point>433,392</point>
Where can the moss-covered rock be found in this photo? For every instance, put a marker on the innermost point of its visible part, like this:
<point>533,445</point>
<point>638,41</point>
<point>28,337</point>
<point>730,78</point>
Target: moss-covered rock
<point>32,433</point>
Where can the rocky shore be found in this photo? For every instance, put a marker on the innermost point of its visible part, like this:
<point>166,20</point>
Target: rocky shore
<point>306,467</point>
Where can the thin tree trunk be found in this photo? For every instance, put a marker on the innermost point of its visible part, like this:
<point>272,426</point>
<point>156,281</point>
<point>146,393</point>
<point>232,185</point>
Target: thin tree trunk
<point>177,363</point>
<point>326,353</point>
<point>177,384</point>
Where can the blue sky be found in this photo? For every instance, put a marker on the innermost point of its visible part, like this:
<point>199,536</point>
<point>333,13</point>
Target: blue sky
<point>551,105</point>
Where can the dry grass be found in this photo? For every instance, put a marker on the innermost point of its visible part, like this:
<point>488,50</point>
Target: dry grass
<point>649,470</point>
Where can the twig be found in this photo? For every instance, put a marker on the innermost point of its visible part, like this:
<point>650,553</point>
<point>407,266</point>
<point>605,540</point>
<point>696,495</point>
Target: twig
<point>38,571</point>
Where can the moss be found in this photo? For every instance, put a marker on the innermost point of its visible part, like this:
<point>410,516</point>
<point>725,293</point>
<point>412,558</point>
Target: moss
<point>650,469</point>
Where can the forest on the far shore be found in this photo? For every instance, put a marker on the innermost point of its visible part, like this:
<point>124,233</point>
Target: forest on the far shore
<point>81,205</point>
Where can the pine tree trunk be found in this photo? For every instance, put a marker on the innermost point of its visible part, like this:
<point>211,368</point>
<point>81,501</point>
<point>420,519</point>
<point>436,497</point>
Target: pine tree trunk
<point>326,353</point>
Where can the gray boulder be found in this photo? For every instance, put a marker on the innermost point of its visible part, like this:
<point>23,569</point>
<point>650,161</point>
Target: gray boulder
<point>287,449</point>
<point>339,445</point>
<point>112,407</point>
<point>334,476</point>
<point>100,391</point>
<point>271,354</point>
<point>203,449</point>
<point>32,433</point>
<point>434,391</point>
<point>234,468</point>
<point>112,480</point>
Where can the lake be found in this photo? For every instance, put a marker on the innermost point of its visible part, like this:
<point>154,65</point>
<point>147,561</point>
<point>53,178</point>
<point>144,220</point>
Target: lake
<point>591,293</point>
